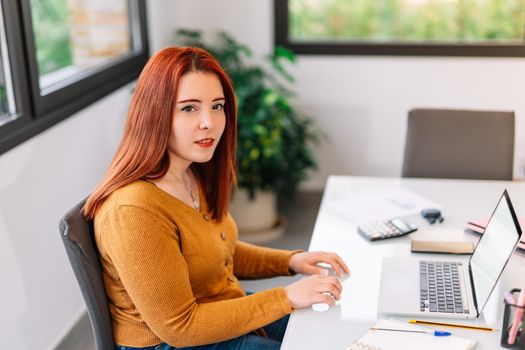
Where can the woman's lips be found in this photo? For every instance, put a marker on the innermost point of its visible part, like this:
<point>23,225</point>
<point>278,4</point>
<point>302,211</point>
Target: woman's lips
<point>205,143</point>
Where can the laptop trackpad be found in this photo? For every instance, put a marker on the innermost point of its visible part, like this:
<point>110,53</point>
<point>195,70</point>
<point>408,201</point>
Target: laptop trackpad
<point>398,282</point>
<point>399,286</point>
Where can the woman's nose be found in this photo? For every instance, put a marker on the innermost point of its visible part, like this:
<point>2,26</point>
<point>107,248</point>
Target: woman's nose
<point>205,121</point>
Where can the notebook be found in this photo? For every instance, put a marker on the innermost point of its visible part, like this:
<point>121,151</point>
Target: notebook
<point>417,246</point>
<point>388,340</point>
<point>478,227</point>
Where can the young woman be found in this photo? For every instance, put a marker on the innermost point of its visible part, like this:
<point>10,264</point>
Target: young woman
<point>168,246</point>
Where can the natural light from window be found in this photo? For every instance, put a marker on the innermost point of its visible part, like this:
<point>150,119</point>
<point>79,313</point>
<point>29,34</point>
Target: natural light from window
<point>408,21</point>
<point>74,36</point>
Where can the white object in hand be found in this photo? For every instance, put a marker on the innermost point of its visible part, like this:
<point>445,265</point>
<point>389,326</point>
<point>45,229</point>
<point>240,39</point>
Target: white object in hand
<point>320,307</point>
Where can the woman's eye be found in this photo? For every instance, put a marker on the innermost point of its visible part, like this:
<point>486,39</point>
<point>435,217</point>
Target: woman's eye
<point>188,108</point>
<point>218,107</point>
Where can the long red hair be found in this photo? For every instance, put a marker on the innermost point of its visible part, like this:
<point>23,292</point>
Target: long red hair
<point>143,150</point>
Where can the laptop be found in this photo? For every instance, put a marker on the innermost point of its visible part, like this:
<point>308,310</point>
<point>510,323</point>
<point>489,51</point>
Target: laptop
<point>451,288</point>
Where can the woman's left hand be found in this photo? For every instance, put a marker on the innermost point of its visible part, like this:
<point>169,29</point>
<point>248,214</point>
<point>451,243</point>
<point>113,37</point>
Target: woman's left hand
<point>306,263</point>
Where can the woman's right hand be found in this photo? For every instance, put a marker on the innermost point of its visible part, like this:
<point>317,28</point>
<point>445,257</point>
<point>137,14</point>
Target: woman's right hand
<point>310,291</point>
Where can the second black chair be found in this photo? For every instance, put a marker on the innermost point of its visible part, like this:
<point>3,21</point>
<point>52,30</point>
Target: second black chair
<point>459,144</point>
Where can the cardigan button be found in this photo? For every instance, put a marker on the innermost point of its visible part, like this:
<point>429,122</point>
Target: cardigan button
<point>226,262</point>
<point>230,279</point>
<point>206,217</point>
<point>223,236</point>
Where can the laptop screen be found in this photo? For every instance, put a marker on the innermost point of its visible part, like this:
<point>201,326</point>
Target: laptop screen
<point>494,249</point>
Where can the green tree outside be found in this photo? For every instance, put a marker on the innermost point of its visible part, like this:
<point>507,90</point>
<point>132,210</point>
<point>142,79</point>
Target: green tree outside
<point>448,21</point>
<point>51,30</point>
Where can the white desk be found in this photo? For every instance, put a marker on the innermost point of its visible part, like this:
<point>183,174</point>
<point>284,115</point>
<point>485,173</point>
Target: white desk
<point>463,200</point>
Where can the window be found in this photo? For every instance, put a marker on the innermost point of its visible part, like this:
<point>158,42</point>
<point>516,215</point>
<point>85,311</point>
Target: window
<point>59,56</point>
<point>402,27</point>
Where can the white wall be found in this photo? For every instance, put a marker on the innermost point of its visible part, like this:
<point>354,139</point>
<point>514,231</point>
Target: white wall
<point>40,179</point>
<point>361,103</point>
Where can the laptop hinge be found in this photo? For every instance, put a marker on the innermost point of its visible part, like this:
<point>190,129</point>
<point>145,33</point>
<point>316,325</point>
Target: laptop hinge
<point>472,288</point>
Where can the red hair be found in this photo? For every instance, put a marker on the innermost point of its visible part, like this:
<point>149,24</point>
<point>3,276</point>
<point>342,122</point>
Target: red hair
<point>143,150</point>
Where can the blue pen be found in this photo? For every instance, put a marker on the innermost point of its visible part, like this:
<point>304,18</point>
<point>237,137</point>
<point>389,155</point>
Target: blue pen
<point>441,333</point>
<point>435,333</point>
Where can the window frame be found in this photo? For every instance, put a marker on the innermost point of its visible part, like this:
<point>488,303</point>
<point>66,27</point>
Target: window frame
<point>281,38</point>
<point>41,111</point>
<point>9,132</point>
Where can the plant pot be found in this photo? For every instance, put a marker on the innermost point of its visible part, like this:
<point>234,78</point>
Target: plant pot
<point>257,214</point>
<point>257,219</point>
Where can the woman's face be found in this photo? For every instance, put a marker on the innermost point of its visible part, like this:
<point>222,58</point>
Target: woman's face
<point>198,119</point>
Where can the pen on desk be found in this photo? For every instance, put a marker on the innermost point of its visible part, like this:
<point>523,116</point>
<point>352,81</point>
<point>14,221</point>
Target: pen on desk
<point>475,224</point>
<point>436,333</point>
<point>454,325</point>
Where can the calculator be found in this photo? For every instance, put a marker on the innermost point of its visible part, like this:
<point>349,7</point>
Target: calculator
<point>375,231</point>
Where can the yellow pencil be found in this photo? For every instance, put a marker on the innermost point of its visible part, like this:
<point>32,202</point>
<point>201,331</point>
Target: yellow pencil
<point>454,325</point>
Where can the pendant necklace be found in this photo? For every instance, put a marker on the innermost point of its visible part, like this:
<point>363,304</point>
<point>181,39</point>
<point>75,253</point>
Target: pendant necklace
<point>189,190</point>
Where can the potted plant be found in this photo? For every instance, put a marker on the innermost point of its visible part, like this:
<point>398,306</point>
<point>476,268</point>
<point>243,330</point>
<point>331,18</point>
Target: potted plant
<point>274,140</point>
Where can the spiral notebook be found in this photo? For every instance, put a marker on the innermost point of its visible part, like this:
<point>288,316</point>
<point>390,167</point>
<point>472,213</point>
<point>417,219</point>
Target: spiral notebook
<point>388,340</point>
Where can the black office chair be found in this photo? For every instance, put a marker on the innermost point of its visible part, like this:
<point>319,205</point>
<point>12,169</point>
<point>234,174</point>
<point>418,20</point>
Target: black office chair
<point>79,241</point>
<point>459,144</point>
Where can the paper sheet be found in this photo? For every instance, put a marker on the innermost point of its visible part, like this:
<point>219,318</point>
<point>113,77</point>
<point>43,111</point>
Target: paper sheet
<point>388,340</point>
<point>383,206</point>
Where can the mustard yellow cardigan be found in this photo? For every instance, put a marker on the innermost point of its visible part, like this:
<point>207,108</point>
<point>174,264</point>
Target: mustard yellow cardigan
<point>170,272</point>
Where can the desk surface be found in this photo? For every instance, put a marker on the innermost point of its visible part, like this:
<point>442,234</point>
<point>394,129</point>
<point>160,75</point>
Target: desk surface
<point>462,200</point>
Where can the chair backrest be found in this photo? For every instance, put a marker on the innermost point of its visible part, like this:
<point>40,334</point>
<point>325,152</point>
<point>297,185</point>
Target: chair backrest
<point>459,144</point>
<point>78,236</point>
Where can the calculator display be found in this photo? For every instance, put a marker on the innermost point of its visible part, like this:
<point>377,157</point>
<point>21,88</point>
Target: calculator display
<point>400,224</point>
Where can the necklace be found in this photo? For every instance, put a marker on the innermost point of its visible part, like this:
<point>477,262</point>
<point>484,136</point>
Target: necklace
<point>189,190</point>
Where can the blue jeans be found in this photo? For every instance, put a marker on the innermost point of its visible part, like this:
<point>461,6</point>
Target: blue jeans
<point>250,341</point>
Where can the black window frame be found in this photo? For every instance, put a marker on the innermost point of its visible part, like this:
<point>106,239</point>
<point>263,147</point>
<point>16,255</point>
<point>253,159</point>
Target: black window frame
<point>38,112</point>
<point>281,38</point>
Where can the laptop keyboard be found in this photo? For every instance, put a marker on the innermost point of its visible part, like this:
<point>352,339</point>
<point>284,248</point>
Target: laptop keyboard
<point>442,288</point>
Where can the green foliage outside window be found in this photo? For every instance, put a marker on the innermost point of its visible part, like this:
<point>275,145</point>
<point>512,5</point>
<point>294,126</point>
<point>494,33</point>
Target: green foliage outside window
<point>4,106</point>
<point>51,29</point>
<point>456,21</point>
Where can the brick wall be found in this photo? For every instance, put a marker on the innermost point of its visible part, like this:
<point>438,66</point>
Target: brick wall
<point>99,31</point>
